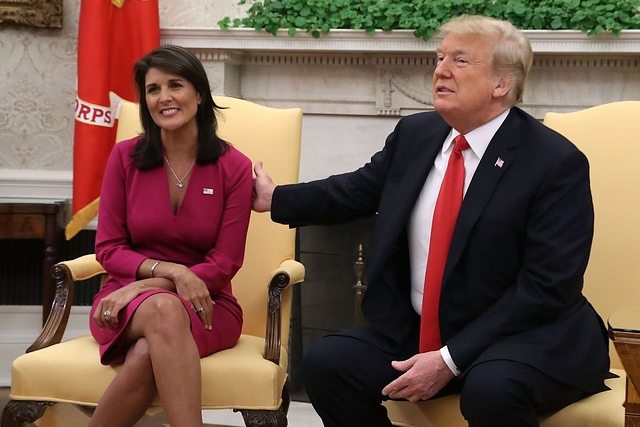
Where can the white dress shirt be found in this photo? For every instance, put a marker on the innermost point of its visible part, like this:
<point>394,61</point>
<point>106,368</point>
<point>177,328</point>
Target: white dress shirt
<point>422,214</point>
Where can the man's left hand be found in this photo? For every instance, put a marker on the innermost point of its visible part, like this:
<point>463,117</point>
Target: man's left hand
<point>425,374</point>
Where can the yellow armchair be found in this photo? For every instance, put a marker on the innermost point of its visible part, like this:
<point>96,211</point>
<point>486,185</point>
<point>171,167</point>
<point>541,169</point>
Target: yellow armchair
<point>609,135</point>
<point>250,377</point>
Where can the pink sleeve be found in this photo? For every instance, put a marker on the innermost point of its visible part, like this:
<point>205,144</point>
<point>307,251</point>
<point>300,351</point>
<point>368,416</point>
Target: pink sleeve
<point>113,248</point>
<point>224,260</point>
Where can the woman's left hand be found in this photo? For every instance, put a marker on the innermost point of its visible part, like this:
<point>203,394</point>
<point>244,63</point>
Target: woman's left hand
<point>193,289</point>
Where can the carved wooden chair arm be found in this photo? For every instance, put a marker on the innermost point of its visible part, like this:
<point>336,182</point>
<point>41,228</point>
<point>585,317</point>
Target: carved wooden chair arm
<point>65,274</point>
<point>289,273</point>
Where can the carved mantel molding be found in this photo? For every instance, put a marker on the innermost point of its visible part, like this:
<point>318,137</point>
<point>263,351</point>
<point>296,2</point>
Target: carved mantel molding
<point>399,41</point>
<point>347,72</point>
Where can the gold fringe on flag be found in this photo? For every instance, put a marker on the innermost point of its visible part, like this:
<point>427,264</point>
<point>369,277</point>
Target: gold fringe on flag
<point>81,219</point>
<point>117,3</point>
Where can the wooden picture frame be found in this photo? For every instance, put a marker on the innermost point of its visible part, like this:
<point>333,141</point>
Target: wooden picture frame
<point>32,13</point>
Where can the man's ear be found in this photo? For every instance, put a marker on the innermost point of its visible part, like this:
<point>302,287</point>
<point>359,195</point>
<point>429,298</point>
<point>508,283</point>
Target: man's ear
<point>503,86</point>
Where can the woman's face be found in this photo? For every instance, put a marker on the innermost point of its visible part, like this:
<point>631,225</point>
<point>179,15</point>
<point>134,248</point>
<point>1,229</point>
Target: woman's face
<point>172,100</point>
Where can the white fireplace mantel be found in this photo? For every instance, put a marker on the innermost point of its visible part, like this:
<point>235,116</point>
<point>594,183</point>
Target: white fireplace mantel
<point>350,72</point>
<point>398,41</point>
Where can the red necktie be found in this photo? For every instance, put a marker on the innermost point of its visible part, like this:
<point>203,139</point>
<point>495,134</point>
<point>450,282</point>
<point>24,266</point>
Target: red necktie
<point>444,220</point>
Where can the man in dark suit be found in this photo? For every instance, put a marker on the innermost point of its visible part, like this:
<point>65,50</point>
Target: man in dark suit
<point>513,332</point>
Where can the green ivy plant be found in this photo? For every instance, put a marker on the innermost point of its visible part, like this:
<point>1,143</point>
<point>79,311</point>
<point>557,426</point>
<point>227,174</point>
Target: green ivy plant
<point>425,16</point>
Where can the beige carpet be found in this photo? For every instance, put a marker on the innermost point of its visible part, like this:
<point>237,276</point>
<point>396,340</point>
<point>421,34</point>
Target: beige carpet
<point>301,414</point>
<point>71,416</point>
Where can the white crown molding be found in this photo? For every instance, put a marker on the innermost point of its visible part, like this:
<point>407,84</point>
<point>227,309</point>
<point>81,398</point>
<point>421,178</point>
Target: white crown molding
<point>398,41</point>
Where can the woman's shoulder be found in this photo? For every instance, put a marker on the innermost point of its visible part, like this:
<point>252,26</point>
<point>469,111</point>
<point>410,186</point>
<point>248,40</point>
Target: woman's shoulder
<point>234,156</point>
<point>127,145</point>
<point>123,150</point>
<point>235,166</point>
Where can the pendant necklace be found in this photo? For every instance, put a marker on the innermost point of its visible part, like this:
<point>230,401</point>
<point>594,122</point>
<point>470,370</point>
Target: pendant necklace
<point>179,183</point>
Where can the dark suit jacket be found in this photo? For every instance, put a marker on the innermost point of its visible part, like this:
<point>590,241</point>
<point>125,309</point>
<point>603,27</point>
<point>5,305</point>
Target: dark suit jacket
<point>512,286</point>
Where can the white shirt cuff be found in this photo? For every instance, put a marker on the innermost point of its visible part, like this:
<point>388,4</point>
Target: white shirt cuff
<point>444,352</point>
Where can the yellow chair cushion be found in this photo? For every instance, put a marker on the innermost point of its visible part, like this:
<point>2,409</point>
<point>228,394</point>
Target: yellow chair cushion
<point>79,378</point>
<point>594,411</point>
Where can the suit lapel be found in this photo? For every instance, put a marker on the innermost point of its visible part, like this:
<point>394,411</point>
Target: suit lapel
<point>494,163</point>
<point>417,160</point>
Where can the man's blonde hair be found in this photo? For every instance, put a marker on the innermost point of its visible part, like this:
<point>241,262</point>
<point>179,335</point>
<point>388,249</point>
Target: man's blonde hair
<point>512,55</point>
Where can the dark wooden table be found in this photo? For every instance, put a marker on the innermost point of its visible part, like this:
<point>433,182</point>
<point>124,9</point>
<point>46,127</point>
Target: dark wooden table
<point>36,220</point>
<point>624,330</point>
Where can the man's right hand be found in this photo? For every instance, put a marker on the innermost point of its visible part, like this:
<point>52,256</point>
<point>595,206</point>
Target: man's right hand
<point>425,374</point>
<point>263,188</point>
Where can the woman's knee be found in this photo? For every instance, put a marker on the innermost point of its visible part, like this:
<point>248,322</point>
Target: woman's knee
<point>138,356</point>
<point>165,307</point>
<point>162,313</point>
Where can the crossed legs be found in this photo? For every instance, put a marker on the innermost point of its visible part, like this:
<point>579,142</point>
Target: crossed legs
<point>163,359</point>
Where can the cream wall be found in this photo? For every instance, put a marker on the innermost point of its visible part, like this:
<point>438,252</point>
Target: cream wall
<point>38,76</point>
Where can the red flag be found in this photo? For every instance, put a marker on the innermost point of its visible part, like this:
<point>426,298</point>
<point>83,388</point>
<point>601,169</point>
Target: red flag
<point>112,36</point>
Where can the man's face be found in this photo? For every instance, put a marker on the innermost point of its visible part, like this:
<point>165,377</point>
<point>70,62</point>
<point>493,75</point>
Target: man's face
<point>464,85</point>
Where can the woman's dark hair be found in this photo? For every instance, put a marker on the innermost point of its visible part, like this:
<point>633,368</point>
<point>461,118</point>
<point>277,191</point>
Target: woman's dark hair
<point>176,60</point>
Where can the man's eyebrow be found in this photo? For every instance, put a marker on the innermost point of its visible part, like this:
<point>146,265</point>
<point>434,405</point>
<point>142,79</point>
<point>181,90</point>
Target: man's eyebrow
<point>456,51</point>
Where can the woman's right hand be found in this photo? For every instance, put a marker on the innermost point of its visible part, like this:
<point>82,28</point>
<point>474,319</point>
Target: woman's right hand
<point>107,310</point>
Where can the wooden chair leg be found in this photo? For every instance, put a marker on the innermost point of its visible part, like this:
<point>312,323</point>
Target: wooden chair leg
<point>253,418</point>
<point>17,413</point>
<point>277,418</point>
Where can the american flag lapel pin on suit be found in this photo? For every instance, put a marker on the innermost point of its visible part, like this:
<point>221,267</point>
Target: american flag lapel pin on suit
<point>499,162</point>
<point>207,191</point>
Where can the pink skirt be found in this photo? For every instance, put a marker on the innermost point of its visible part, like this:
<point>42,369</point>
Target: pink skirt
<point>225,332</point>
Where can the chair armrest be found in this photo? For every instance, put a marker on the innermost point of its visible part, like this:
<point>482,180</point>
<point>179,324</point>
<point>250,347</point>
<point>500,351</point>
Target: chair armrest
<point>289,273</point>
<point>65,274</point>
<point>83,268</point>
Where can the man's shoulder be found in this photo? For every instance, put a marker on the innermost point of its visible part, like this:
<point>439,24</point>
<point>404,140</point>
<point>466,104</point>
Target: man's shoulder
<point>423,117</point>
<point>541,137</point>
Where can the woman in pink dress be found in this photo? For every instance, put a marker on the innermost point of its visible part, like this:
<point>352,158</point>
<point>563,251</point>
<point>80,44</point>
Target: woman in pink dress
<point>174,213</point>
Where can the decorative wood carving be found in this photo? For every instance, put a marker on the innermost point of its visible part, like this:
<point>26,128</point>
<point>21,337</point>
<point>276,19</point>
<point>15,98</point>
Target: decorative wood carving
<point>19,412</point>
<point>263,418</point>
<point>274,317</point>
<point>277,418</point>
<point>53,329</point>
<point>33,13</point>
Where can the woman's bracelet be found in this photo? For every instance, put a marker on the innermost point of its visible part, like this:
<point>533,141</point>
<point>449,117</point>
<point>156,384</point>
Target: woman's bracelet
<point>153,267</point>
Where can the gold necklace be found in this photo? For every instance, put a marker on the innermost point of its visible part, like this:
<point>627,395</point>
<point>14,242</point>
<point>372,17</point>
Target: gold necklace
<point>179,183</point>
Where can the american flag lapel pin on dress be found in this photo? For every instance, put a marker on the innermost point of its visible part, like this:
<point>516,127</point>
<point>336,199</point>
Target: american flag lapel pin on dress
<point>207,191</point>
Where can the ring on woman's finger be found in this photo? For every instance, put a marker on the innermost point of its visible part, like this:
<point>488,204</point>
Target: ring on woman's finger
<point>200,310</point>
<point>107,313</point>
